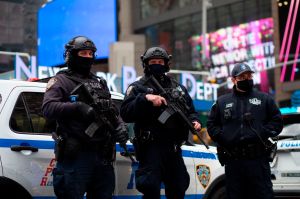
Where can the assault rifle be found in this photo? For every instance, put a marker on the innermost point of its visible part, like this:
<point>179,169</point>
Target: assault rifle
<point>176,104</point>
<point>103,118</point>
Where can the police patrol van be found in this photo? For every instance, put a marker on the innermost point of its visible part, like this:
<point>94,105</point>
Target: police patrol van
<point>27,157</point>
<point>285,167</point>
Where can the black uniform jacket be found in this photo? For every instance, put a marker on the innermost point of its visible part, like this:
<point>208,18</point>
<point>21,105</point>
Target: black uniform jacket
<point>238,117</point>
<point>57,105</point>
<point>136,109</point>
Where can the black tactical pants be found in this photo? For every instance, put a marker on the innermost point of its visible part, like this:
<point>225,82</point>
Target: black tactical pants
<point>88,173</point>
<point>248,179</point>
<point>161,163</point>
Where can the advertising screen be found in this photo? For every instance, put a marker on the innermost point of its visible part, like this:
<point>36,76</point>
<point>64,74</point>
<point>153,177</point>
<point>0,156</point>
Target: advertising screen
<point>248,42</point>
<point>289,52</point>
<point>61,20</point>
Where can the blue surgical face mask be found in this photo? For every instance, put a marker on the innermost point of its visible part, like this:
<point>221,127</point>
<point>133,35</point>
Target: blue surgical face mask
<point>157,69</point>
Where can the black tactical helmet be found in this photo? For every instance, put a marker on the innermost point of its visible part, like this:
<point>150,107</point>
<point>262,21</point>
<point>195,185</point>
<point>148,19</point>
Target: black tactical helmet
<point>240,68</point>
<point>153,53</point>
<point>79,43</point>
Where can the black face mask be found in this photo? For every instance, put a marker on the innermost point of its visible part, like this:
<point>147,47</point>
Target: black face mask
<point>158,69</point>
<point>245,85</point>
<point>81,65</point>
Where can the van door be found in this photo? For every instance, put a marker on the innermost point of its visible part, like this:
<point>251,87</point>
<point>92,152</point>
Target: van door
<point>26,146</point>
<point>124,167</point>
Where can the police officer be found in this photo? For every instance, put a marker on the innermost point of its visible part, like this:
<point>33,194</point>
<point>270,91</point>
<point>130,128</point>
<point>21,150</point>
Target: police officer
<point>157,145</point>
<point>241,123</point>
<point>84,163</point>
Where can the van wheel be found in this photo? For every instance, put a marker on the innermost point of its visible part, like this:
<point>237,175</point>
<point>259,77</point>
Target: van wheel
<point>13,189</point>
<point>218,193</point>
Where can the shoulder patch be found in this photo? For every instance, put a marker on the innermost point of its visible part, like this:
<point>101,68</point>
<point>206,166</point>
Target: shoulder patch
<point>51,82</point>
<point>129,89</point>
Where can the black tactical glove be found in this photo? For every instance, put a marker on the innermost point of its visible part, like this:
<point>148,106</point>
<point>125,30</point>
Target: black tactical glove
<point>85,111</point>
<point>121,134</point>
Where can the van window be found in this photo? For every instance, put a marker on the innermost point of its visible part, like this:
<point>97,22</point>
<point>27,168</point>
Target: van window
<point>27,115</point>
<point>290,119</point>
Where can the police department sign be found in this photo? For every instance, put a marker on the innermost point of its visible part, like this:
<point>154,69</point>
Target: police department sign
<point>292,144</point>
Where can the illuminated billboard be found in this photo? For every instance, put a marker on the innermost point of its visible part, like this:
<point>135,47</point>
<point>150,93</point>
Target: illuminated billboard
<point>289,26</point>
<point>61,20</point>
<point>248,42</point>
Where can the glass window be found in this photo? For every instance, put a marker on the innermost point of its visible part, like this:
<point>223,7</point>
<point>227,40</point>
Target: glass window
<point>237,13</point>
<point>151,8</point>
<point>27,115</point>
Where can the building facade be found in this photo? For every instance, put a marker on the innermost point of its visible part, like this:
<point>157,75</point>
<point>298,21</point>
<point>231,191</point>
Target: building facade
<point>255,29</point>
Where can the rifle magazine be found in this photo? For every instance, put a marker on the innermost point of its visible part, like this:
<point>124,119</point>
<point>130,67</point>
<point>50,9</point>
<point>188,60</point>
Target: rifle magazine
<point>92,128</point>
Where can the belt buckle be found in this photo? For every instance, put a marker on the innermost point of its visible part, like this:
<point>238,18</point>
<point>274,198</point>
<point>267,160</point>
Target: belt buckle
<point>146,135</point>
<point>106,162</point>
<point>176,148</point>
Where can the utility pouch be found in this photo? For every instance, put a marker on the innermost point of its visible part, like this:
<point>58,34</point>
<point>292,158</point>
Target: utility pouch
<point>137,148</point>
<point>109,152</point>
<point>271,150</point>
<point>59,146</point>
<point>72,148</point>
<point>223,155</point>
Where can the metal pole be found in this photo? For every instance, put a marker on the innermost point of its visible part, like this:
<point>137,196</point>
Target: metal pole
<point>15,53</point>
<point>205,4</point>
<point>204,73</point>
<point>204,23</point>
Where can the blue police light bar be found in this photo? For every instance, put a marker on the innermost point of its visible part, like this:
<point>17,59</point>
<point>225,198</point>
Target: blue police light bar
<point>61,20</point>
<point>290,110</point>
<point>202,105</point>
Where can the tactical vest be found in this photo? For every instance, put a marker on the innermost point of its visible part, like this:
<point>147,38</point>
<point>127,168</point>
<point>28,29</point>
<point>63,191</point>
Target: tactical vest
<point>97,87</point>
<point>179,132</point>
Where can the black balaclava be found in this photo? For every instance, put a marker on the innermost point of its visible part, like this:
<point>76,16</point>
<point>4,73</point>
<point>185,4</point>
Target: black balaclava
<point>158,69</point>
<point>80,65</point>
